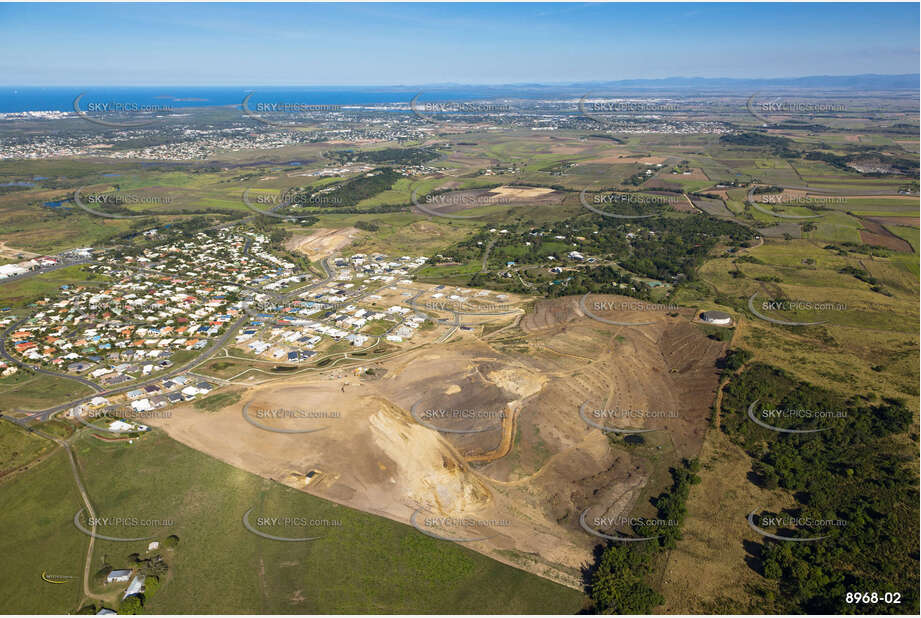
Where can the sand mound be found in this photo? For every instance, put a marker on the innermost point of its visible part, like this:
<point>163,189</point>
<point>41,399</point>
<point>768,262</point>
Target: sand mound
<point>429,473</point>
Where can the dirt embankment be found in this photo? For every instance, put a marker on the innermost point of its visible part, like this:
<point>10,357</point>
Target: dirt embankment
<point>9,253</point>
<point>323,242</point>
<point>488,430</point>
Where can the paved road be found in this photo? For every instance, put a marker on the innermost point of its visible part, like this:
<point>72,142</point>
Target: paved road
<point>214,346</point>
<point>457,315</point>
<point>6,355</point>
<point>297,291</point>
<point>48,269</point>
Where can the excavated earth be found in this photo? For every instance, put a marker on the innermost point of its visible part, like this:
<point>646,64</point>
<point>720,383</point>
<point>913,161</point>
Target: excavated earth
<point>485,431</point>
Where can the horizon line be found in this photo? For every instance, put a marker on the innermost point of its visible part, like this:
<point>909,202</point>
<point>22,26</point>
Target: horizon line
<point>466,84</point>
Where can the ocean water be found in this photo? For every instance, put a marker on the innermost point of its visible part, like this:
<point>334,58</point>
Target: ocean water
<point>22,99</point>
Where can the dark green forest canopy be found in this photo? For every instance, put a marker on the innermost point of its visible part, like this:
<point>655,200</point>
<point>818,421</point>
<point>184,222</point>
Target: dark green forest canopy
<point>856,470</point>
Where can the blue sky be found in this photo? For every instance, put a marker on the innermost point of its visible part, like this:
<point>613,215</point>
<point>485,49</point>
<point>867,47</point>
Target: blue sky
<point>392,44</point>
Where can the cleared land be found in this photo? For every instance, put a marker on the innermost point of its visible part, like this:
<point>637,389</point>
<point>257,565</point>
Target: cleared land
<point>323,242</point>
<point>530,466</point>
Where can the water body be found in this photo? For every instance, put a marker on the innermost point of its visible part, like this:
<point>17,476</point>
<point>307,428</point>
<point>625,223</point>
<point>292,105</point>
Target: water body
<point>23,99</point>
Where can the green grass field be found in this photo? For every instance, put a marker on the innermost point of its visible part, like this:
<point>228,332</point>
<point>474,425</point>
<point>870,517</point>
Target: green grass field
<point>18,447</point>
<point>37,519</point>
<point>19,293</point>
<point>907,233</point>
<point>366,564</point>
<point>40,392</point>
<point>875,330</point>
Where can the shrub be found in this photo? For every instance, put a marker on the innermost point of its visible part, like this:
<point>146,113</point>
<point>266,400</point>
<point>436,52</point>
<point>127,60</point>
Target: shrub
<point>131,605</point>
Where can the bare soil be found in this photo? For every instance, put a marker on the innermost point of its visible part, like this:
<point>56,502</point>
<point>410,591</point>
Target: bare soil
<point>528,464</point>
<point>323,242</point>
<point>874,233</point>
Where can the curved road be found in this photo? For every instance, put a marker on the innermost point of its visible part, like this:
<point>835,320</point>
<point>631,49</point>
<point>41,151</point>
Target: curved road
<point>215,345</point>
<point>6,355</point>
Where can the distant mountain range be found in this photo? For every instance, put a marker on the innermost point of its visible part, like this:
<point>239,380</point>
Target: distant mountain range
<point>869,81</point>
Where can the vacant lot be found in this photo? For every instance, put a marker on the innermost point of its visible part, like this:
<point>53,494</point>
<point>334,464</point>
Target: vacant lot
<point>323,242</point>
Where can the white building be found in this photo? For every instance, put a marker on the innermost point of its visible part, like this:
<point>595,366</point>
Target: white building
<point>119,426</point>
<point>716,317</point>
